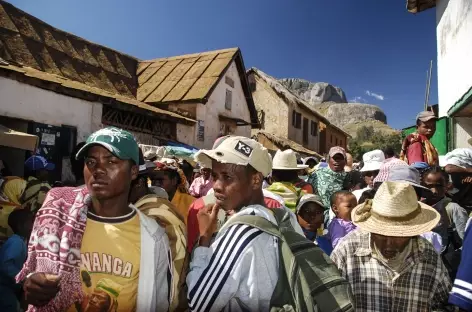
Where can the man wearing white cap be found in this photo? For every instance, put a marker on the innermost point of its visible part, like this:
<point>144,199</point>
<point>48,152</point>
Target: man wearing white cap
<point>239,268</point>
<point>389,266</point>
<point>373,160</point>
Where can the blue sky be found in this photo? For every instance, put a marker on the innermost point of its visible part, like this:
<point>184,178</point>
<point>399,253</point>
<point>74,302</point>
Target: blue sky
<point>372,49</point>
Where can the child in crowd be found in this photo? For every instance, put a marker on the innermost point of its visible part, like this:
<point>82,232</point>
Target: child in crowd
<point>453,216</point>
<point>342,203</point>
<point>12,257</point>
<point>310,216</point>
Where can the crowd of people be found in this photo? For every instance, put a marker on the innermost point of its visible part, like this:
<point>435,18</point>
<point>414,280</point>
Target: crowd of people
<point>244,231</point>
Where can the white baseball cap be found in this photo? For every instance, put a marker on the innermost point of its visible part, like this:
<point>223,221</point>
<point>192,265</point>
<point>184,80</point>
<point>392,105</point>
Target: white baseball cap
<point>373,160</point>
<point>237,150</point>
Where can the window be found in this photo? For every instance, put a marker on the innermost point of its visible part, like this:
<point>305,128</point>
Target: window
<point>296,120</point>
<point>228,99</point>
<point>314,128</point>
<point>305,130</point>
<point>229,81</point>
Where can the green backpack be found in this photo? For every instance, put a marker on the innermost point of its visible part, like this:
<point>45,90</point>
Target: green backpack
<point>308,280</point>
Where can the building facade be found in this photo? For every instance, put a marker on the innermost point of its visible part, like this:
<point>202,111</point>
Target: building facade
<point>284,115</point>
<point>454,64</point>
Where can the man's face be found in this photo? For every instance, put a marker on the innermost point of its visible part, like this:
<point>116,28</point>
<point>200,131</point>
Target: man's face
<point>162,179</point>
<point>311,216</point>
<point>233,185</point>
<point>389,246</point>
<point>436,183</point>
<point>206,173</point>
<point>427,128</point>
<point>369,177</point>
<point>337,162</point>
<point>107,176</point>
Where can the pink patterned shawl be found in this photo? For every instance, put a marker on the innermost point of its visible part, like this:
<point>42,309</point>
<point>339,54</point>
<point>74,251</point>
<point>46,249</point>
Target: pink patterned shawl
<point>55,242</point>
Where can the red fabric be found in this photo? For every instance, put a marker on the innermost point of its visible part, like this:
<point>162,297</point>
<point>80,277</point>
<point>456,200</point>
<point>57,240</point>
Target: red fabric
<point>415,153</point>
<point>307,187</point>
<point>192,221</point>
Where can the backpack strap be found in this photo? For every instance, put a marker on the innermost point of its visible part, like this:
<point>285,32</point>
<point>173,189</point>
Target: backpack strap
<point>257,222</point>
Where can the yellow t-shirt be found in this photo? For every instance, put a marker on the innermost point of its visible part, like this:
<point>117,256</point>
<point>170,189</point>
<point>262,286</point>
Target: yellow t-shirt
<point>109,268</point>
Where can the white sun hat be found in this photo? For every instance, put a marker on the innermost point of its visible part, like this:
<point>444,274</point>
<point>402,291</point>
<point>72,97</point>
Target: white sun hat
<point>286,160</point>
<point>373,160</point>
<point>395,211</point>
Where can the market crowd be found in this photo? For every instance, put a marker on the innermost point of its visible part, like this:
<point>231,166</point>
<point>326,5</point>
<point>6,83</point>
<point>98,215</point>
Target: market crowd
<point>240,229</point>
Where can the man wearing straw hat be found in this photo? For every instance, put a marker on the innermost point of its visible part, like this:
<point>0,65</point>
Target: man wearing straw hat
<point>389,266</point>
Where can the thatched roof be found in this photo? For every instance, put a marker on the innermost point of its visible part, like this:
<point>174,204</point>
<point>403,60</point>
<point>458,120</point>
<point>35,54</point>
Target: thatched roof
<point>190,78</point>
<point>291,99</point>
<point>417,6</point>
<point>283,144</point>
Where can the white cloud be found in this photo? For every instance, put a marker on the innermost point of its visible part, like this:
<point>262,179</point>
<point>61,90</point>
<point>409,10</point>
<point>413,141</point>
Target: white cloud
<point>379,97</point>
<point>358,99</point>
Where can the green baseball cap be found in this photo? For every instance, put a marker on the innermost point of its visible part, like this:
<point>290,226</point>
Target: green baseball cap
<point>119,142</point>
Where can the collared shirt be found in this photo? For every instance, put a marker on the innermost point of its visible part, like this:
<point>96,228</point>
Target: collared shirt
<point>200,187</point>
<point>421,285</point>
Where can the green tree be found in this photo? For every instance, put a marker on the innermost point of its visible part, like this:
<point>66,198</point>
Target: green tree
<point>367,139</point>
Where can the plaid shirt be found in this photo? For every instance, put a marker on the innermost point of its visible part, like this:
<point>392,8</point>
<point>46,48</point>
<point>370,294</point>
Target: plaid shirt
<point>422,285</point>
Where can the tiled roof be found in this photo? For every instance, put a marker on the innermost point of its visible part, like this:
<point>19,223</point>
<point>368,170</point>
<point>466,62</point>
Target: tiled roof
<point>32,49</point>
<point>416,6</point>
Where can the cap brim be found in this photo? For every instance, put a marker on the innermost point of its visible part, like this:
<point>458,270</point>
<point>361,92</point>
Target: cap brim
<point>205,157</point>
<point>420,224</point>
<point>371,167</point>
<point>425,119</point>
<point>83,151</point>
<point>50,167</point>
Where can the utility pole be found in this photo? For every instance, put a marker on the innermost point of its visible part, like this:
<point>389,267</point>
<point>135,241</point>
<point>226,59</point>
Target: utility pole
<point>428,85</point>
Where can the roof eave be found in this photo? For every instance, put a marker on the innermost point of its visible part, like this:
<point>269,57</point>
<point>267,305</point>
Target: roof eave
<point>418,6</point>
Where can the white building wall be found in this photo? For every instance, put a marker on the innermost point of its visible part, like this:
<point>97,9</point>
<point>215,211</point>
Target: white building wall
<point>454,37</point>
<point>27,102</point>
<point>462,132</point>
<point>215,106</point>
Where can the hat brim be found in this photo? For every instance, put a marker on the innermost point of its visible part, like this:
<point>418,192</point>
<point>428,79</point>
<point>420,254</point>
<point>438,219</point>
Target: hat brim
<point>420,224</point>
<point>371,167</point>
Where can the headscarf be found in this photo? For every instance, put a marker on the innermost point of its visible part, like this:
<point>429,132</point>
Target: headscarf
<point>13,188</point>
<point>167,164</point>
<point>430,155</point>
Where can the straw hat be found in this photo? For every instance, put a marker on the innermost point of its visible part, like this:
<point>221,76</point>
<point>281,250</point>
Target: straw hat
<point>286,160</point>
<point>395,211</point>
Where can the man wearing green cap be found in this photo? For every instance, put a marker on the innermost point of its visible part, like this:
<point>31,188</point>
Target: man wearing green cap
<point>100,236</point>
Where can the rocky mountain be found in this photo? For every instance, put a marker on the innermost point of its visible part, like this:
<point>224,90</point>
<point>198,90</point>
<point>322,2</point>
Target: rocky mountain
<point>331,102</point>
<point>314,92</point>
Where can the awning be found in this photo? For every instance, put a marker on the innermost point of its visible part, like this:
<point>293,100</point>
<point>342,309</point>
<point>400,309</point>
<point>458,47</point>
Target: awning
<point>16,139</point>
<point>463,107</point>
<point>276,142</point>
<point>239,122</point>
